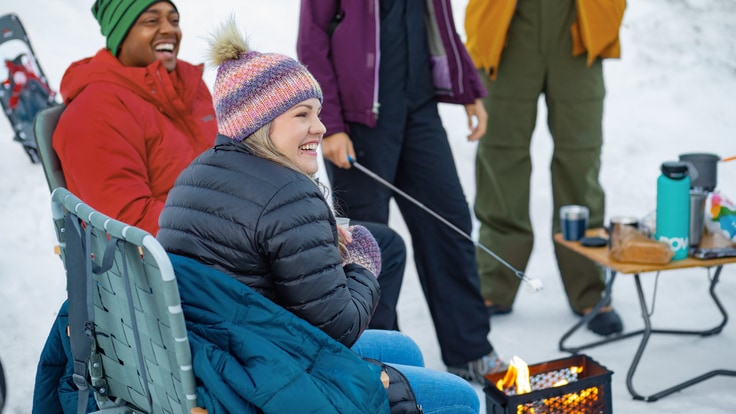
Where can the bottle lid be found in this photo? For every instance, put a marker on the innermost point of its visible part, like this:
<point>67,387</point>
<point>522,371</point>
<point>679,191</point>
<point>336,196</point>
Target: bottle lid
<point>674,169</point>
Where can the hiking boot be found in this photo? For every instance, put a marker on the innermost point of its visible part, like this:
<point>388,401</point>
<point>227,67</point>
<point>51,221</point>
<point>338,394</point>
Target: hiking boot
<point>606,323</point>
<point>477,370</point>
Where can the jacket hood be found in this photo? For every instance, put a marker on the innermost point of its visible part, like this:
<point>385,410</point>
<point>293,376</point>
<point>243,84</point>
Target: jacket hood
<point>143,81</point>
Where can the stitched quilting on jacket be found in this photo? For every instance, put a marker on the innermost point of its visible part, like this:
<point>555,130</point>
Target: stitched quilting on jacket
<point>271,228</point>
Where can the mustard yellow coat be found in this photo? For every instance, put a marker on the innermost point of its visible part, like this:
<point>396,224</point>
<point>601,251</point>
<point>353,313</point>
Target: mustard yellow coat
<point>594,31</point>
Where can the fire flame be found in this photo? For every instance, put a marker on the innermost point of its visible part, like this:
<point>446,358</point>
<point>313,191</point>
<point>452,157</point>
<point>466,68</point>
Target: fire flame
<point>517,375</point>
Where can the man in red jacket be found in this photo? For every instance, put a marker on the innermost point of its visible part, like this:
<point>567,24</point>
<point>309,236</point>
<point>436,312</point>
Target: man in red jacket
<point>135,116</point>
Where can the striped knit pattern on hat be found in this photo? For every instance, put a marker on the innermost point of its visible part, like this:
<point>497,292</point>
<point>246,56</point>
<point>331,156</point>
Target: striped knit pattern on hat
<point>253,88</point>
<point>116,17</point>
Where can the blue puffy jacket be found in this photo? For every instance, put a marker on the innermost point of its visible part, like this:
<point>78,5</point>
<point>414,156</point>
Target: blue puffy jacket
<point>247,351</point>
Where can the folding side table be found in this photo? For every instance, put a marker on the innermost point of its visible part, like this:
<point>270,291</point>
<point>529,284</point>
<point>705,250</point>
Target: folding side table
<point>601,255</point>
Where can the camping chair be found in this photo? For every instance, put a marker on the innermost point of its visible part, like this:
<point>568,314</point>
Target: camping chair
<point>43,127</point>
<point>126,325</point>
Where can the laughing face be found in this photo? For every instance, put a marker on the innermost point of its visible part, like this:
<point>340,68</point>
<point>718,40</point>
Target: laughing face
<point>298,132</point>
<point>155,35</point>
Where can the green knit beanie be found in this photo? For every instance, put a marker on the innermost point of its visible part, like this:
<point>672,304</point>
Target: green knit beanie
<point>116,18</point>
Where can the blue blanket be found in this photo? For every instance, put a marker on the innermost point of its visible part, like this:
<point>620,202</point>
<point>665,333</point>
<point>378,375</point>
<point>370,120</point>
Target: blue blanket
<point>249,353</point>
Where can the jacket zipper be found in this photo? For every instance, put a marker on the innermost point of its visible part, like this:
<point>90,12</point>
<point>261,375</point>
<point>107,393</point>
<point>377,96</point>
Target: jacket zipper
<point>187,120</point>
<point>456,55</point>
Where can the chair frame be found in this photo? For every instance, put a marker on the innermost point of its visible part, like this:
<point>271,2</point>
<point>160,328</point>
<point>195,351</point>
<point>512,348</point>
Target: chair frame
<point>139,334</point>
<point>44,125</point>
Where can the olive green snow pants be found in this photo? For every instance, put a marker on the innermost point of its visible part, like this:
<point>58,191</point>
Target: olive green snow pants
<point>538,60</point>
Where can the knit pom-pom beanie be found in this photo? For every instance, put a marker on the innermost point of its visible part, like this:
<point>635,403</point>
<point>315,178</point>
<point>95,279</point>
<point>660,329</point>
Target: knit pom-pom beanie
<point>253,88</point>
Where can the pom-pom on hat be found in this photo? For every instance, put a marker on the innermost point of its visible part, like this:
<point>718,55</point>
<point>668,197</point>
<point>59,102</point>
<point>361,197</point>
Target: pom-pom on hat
<point>116,17</point>
<point>253,88</point>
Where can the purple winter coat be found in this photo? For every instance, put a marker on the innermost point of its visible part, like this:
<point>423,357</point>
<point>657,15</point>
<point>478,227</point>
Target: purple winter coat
<point>346,63</point>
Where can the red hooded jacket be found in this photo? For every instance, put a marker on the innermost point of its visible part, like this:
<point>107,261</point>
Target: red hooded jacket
<point>128,132</point>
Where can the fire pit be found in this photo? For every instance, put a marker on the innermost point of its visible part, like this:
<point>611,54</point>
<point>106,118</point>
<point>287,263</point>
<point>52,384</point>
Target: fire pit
<point>574,385</point>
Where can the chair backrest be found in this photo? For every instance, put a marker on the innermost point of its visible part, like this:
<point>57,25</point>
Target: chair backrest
<point>139,330</point>
<point>43,127</point>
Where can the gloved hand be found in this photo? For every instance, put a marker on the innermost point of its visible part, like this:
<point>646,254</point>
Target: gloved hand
<point>363,250</point>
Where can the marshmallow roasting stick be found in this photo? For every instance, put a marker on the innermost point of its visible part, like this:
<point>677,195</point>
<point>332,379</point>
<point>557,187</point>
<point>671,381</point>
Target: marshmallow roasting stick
<point>534,284</point>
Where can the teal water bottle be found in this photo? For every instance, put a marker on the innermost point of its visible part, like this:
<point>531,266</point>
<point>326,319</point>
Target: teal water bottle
<point>673,208</point>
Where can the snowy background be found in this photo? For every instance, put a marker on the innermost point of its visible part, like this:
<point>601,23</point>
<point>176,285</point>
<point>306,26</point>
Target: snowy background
<point>671,93</point>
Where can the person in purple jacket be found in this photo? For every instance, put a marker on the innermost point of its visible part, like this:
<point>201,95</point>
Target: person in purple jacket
<point>383,70</point>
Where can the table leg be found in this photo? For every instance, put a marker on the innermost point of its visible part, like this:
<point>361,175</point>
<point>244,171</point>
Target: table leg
<point>647,331</point>
<point>644,340</point>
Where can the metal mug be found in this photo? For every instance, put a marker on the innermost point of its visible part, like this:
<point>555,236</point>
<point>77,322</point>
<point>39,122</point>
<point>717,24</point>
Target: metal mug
<point>574,221</point>
<point>615,228</point>
<point>697,216</point>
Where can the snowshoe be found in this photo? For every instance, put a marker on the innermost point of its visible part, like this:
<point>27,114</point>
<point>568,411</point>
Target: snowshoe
<point>25,91</point>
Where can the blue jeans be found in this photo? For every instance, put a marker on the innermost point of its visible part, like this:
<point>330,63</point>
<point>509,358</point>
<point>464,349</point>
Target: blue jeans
<point>436,391</point>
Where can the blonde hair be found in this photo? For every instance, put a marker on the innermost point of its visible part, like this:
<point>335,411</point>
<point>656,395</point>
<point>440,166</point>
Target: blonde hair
<point>260,145</point>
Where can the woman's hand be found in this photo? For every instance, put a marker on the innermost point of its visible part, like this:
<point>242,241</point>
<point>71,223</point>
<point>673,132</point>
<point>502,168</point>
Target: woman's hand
<point>384,379</point>
<point>344,234</point>
<point>363,250</point>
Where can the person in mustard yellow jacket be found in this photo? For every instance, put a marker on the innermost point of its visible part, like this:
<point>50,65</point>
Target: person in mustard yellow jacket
<point>525,48</point>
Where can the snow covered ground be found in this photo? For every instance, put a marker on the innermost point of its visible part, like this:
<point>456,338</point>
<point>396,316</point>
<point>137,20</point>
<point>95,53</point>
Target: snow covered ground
<point>671,93</point>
